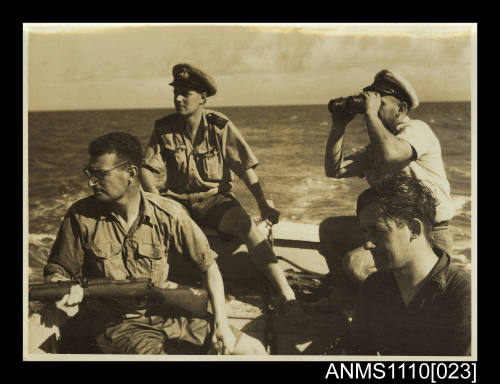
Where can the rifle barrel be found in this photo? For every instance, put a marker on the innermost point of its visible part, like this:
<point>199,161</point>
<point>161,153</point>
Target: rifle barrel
<point>194,301</point>
<point>94,288</point>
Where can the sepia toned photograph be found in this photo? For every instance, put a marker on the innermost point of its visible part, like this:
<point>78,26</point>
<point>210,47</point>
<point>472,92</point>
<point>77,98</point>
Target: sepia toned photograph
<point>249,191</point>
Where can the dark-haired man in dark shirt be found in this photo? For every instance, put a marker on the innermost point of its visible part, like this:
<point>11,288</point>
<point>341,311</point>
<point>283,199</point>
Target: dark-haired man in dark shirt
<point>417,303</point>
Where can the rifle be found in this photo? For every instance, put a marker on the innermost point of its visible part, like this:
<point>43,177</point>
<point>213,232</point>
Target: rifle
<point>194,301</point>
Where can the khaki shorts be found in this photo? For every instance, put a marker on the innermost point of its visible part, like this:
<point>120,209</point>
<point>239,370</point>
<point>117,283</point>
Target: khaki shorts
<point>210,211</point>
<point>97,328</point>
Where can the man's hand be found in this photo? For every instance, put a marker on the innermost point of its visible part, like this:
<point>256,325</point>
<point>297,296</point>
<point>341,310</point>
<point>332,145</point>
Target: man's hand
<point>167,285</point>
<point>55,277</point>
<point>268,212</point>
<point>372,102</point>
<point>223,340</point>
<point>69,302</point>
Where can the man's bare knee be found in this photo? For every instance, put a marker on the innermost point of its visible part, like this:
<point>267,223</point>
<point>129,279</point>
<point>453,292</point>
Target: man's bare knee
<point>248,345</point>
<point>358,265</point>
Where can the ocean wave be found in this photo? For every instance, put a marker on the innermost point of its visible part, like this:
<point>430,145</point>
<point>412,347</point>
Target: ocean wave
<point>461,204</point>
<point>40,245</point>
<point>456,171</point>
<point>35,274</point>
<point>42,164</point>
<point>460,258</point>
<point>40,238</point>
<point>318,188</point>
<point>461,245</point>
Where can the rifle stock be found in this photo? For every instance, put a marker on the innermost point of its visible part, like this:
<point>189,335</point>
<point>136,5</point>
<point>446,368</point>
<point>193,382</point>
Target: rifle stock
<point>194,301</point>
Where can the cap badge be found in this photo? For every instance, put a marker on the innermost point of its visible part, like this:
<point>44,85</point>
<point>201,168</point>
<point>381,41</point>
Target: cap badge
<point>183,74</point>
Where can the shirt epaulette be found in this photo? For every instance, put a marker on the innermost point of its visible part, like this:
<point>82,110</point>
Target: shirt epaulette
<point>169,206</point>
<point>219,121</point>
<point>165,120</point>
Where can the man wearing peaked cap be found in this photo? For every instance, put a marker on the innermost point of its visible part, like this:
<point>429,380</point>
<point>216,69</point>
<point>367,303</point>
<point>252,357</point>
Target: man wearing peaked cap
<point>198,148</point>
<point>398,145</point>
<point>187,75</point>
<point>388,83</point>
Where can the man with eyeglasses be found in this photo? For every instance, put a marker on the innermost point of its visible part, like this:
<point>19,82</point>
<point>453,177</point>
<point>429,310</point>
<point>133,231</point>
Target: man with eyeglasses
<point>122,232</point>
<point>398,145</point>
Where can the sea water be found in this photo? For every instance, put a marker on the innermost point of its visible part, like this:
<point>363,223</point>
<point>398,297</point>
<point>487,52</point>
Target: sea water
<point>289,142</point>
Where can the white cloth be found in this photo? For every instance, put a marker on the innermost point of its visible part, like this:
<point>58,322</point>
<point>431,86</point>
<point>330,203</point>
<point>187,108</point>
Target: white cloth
<point>428,167</point>
<point>41,326</point>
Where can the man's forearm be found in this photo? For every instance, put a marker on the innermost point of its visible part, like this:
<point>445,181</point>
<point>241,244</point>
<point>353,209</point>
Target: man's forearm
<point>215,288</point>
<point>148,181</point>
<point>388,149</point>
<point>377,132</point>
<point>54,272</point>
<point>252,182</point>
<point>334,154</point>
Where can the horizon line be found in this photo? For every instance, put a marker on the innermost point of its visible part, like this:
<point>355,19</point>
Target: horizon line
<point>215,106</point>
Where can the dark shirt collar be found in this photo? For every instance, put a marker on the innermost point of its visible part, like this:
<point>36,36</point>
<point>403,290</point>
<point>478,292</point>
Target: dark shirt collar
<point>434,281</point>
<point>433,284</point>
<point>147,208</point>
<point>437,275</point>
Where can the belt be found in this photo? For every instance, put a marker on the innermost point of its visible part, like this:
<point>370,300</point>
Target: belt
<point>193,197</point>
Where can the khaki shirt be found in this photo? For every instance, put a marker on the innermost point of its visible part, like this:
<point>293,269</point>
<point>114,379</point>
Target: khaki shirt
<point>198,167</point>
<point>91,242</point>
<point>428,167</point>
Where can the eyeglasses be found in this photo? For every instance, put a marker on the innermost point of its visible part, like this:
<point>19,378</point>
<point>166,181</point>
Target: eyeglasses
<point>99,174</point>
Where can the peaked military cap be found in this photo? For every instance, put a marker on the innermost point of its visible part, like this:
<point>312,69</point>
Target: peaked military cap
<point>189,76</point>
<point>388,83</point>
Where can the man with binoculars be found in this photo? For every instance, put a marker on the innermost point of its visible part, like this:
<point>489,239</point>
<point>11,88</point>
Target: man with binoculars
<point>398,145</point>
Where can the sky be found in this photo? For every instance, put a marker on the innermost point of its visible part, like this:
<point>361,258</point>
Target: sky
<point>103,66</point>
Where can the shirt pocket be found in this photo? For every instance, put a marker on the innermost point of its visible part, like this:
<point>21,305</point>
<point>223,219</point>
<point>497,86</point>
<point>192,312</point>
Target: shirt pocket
<point>176,157</point>
<point>107,259</point>
<point>209,164</point>
<point>151,262</point>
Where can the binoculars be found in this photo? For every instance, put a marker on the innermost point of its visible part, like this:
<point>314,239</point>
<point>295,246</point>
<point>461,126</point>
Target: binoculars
<point>350,104</point>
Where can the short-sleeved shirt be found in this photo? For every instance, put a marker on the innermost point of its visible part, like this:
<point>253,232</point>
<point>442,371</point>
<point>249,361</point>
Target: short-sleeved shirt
<point>428,166</point>
<point>91,242</point>
<point>435,322</point>
<point>198,167</point>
